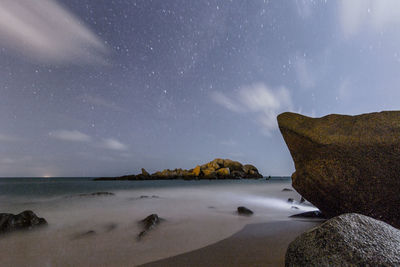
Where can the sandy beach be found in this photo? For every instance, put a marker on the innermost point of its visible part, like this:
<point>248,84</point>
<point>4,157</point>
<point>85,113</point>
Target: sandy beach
<point>261,244</point>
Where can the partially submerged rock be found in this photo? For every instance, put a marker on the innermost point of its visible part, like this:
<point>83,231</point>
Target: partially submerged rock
<point>97,194</point>
<point>244,211</point>
<point>216,169</point>
<point>25,220</point>
<point>148,224</point>
<point>85,234</point>
<point>287,190</point>
<point>310,214</point>
<point>347,163</point>
<point>347,240</point>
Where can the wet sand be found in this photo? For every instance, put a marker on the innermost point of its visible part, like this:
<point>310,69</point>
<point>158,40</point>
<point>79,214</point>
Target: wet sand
<point>262,244</point>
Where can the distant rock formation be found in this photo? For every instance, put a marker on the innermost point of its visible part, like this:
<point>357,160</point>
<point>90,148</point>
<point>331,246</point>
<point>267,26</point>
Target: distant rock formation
<point>347,240</point>
<point>216,169</point>
<point>23,221</point>
<point>347,163</point>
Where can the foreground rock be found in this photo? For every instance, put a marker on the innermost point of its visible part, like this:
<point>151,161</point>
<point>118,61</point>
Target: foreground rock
<point>347,163</point>
<point>23,221</point>
<point>216,169</point>
<point>149,223</point>
<point>347,240</point>
<point>244,211</point>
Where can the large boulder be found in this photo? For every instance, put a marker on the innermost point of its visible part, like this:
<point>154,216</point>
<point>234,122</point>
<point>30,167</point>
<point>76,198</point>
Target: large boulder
<point>347,240</point>
<point>347,163</point>
<point>23,221</point>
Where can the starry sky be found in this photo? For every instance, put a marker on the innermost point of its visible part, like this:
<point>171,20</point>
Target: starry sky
<point>105,87</point>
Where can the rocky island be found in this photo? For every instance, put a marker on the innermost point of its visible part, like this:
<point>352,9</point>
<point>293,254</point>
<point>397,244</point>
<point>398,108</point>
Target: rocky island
<point>216,169</point>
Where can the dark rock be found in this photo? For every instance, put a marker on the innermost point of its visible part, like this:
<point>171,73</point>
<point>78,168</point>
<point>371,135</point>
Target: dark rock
<point>287,190</point>
<point>97,194</point>
<point>309,214</point>
<point>346,240</point>
<point>154,196</point>
<point>85,234</point>
<point>294,207</point>
<point>347,163</point>
<point>290,200</point>
<point>244,211</point>
<point>302,200</point>
<point>149,223</point>
<point>25,220</point>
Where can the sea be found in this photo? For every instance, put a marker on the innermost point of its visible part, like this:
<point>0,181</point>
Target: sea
<point>102,230</point>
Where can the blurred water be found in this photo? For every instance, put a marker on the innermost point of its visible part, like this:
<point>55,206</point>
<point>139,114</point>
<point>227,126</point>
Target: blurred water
<point>196,213</point>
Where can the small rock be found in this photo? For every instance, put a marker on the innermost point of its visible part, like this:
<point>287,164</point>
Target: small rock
<point>149,223</point>
<point>287,190</point>
<point>85,234</point>
<point>244,211</point>
<point>290,200</point>
<point>309,214</point>
<point>97,194</point>
<point>302,200</point>
<point>294,207</point>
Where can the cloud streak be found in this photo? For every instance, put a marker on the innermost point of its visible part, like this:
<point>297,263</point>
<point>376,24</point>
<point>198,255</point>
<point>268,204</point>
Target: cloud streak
<point>46,31</point>
<point>72,136</point>
<point>113,144</point>
<point>258,100</point>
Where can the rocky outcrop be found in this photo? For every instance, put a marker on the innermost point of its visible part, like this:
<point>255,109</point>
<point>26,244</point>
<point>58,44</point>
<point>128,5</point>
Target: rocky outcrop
<point>216,169</point>
<point>23,221</point>
<point>347,163</point>
<point>347,240</point>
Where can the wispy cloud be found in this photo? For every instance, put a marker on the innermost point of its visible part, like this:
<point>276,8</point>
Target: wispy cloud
<point>48,32</point>
<point>73,136</point>
<point>113,144</point>
<point>259,100</point>
<point>367,14</point>
<point>226,102</point>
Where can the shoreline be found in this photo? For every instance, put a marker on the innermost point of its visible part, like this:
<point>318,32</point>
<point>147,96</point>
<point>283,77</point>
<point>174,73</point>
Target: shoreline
<point>260,244</point>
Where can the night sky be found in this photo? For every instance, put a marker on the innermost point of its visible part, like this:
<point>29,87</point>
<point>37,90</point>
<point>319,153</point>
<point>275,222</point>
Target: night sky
<point>101,87</point>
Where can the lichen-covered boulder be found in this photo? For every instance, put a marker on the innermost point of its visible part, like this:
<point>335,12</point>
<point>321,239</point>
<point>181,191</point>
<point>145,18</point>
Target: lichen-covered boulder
<point>347,163</point>
<point>347,240</point>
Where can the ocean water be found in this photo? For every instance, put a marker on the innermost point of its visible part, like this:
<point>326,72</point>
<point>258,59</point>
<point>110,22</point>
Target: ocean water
<point>196,213</point>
